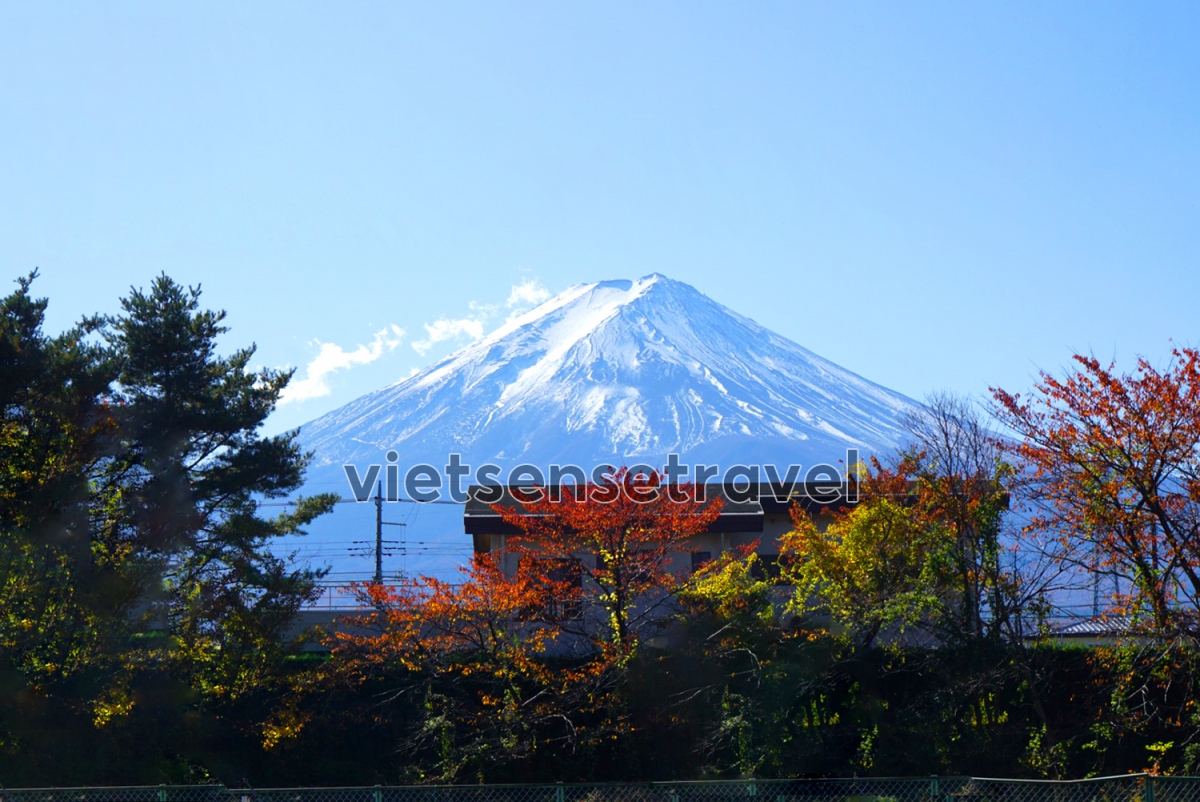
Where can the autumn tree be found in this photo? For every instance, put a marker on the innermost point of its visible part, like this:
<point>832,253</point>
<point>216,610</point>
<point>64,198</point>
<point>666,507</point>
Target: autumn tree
<point>933,540</point>
<point>476,662</point>
<point>621,538</point>
<point>1116,471</point>
<point>759,692</point>
<point>880,564</point>
<point>510,664</point>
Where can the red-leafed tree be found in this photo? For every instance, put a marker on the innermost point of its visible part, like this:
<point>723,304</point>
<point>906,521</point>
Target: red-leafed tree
<point>440,625</point>
<point>1116,462</point>
<point>479,663</point>
<point>489,687</point>
<point>495,658</point>
<point>610,547</point>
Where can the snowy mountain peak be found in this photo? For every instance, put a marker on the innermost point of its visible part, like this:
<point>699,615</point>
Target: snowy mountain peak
<point>589,303</point>
<point>620,371</point>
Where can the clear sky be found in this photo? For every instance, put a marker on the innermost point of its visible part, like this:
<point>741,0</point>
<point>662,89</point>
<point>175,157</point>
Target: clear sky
<point>934,195</point>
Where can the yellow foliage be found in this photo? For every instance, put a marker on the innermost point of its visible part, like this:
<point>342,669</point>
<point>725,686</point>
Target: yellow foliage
<point>878,566</point>
<point>117,703</point>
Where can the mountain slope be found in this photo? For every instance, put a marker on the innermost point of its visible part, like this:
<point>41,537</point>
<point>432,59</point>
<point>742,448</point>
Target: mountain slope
<point>619,372</point>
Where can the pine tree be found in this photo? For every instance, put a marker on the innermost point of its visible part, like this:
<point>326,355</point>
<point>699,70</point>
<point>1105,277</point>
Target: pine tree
<point>192,472</point>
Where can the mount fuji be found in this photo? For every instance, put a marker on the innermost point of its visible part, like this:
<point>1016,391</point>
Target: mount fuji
<point>616,372</point>
<point>605,373</point>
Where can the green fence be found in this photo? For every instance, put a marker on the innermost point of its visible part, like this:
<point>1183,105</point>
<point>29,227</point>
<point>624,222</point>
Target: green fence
<point>1125,788</point>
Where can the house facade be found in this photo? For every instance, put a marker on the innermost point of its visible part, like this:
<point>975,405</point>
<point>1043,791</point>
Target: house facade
<point>749,513</point>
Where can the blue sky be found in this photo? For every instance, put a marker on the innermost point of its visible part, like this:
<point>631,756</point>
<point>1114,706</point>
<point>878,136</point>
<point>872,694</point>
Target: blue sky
<point>934,195</point>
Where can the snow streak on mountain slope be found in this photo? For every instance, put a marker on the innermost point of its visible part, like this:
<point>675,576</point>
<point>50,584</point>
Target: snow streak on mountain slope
<point>619,372</point>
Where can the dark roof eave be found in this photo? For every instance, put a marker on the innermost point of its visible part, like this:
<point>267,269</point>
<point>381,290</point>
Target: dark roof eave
<point>493,524</point>
<point>737,515</point>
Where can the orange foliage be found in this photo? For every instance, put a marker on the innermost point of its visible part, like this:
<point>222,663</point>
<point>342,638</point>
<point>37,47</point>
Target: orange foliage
<point>620,536</point>
<point>1116,462</point>
<point>463,627</point>
<point>483,666</point>
<point>504,657</point>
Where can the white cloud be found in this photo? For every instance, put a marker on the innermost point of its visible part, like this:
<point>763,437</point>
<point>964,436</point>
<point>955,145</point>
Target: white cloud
<point>332,357</point>
<point>446,329</point>
<point>529,292</point>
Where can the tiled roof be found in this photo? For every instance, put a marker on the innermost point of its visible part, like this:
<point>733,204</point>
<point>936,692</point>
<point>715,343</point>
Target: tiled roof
<point>1112,625</point>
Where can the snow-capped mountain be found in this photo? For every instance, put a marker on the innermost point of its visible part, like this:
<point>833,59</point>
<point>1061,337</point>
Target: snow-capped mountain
<point>611,373</point>
<point>617,372</point>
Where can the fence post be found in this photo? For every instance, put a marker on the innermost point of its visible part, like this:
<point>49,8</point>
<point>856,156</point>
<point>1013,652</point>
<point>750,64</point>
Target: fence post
<point>933,788</point>
<point>378,793</point>
<point>162,793</point>
<point>750,789</point>
<point>1149,795</point>
<point>559,794</point>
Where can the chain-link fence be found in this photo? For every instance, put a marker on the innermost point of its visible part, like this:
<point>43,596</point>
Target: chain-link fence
<point>1127,788</point>
<point>161,793</point>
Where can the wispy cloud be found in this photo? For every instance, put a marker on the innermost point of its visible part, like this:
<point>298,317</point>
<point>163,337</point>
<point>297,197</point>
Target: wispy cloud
<point>529,292</point>
<point>471,327</point>
<point>332,357</point>
<point>447,329</point>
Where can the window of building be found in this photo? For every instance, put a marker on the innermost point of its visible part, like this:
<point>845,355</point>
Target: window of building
<point>568,572</point>
<point>766,568</point>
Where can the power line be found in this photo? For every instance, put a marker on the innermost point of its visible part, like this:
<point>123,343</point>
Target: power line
<point>365,501</point>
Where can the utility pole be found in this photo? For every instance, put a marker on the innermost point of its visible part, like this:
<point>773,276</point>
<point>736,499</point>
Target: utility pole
<point>379,534</point>
<point>380,543</point>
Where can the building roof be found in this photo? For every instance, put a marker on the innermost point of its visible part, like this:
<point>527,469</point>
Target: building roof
<point>743,507</point>
<point>1112,625</point>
